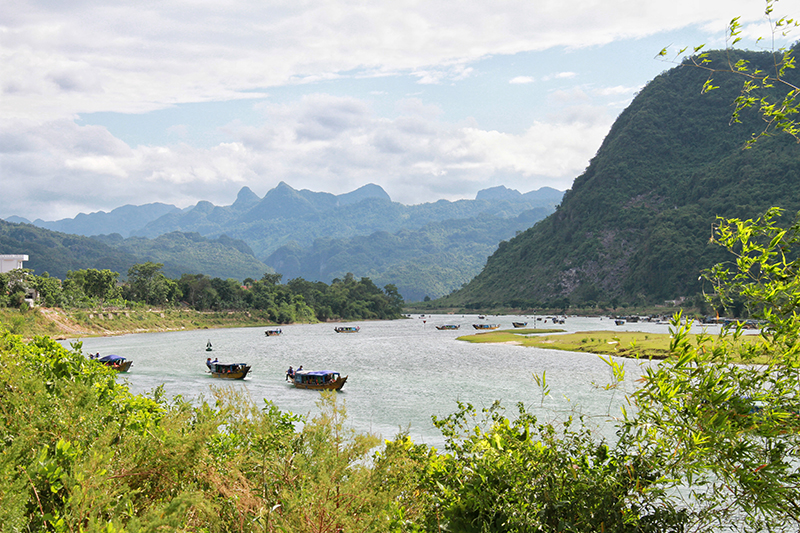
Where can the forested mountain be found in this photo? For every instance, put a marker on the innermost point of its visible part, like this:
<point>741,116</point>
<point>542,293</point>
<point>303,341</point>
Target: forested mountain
<point>286,215</point>
<point>57,253</point>
<point>636,224</point>
<point>427,249</point>
<point>431,261</point>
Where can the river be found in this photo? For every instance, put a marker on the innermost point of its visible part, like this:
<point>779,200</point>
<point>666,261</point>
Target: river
<point>399,372</point>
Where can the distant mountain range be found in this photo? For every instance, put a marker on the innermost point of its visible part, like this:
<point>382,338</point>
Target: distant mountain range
<point>635,226</point>
<point>437,246</point>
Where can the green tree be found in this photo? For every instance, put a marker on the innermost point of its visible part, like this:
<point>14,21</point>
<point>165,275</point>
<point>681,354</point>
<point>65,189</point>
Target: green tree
<point>146,283</point>
<point>730,432</point>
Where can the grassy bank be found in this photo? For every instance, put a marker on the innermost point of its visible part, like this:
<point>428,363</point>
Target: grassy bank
<point>62,324</point>
<point>620,344</point>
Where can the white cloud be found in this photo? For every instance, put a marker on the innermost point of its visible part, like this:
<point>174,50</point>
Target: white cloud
<point>320,142</point>
<point>559,76</point>
<point>59,60</point>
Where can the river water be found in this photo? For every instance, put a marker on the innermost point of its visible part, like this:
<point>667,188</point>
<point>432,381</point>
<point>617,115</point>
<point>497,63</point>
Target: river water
<point>399,372</point>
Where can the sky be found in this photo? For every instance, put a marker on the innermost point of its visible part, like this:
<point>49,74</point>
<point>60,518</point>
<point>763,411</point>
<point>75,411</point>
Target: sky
<point>106,103</point>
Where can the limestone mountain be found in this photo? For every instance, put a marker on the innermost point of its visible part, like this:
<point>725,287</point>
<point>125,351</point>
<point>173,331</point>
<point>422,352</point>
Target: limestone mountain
<point>635,226</point>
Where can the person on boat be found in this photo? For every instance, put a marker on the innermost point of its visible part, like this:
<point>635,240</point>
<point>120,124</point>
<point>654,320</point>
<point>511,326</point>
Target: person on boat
<point>208,362</point>
<point>290,374</point>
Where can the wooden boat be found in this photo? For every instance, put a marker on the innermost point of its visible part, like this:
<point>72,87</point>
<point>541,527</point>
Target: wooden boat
<point>117,362</point>
<point>519,324</point>
<point>449,326</point>
<point>273,332</point>
<point>485,326</point>
<point>346,329</point>
<point>228,370</point>
<point>318,380</point>
<point>619,322</point>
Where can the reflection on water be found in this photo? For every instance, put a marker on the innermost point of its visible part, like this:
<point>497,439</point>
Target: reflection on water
<point>400,372</point>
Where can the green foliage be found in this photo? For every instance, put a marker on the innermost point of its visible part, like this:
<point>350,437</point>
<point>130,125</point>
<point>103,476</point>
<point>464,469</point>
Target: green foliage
<point>767,88</point>
<point>516,475</point>
<point>731,432</point>
<point>432,260</point>
<point>146,283</point>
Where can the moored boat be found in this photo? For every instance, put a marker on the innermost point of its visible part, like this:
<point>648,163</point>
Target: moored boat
<point>485,326</point>
<point>318,380</point>
<point>346,329</point>
<point>619,322</point>
<point>273,332</point>
<point>228,370</point>
<point>449,326</point>
<point>519,324</point>
<point>117,362</point>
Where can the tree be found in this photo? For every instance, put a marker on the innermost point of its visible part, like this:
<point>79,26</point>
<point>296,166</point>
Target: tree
<point>720,417</point>
<point>146,283</point>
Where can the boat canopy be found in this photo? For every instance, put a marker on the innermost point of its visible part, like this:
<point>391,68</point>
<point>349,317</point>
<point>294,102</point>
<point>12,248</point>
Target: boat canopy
<point>316,372</point>
<point>111,358</point>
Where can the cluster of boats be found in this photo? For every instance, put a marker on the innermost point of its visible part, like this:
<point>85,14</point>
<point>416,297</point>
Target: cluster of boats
<point>302,379</point>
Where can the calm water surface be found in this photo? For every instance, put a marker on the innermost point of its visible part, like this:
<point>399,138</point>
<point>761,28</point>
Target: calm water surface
<point>399,372</point>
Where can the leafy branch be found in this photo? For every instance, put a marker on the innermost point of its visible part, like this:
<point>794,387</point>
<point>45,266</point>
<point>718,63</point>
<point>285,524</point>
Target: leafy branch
<point>762,88</point>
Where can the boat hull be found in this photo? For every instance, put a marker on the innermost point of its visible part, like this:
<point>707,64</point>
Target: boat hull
<point>448,326</point>
<point>241,373</point>
<point>333,385</point>
<point>346,329</point>
<point>519,324</point>
<point>122,367</point>
<point>485,326</point>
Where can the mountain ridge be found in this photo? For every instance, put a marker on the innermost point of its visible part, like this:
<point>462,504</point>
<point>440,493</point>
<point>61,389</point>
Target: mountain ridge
<point>635,226</point>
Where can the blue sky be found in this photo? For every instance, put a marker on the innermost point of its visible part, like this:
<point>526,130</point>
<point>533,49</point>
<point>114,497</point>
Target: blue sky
<point>104,103</point>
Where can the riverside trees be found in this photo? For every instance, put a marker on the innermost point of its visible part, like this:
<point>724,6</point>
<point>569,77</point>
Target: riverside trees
<point>296,301</point>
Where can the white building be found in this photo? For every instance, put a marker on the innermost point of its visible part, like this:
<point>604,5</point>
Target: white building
<point>11,262</point>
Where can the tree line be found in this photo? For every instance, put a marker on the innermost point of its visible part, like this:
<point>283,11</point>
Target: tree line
<point>298,300</point>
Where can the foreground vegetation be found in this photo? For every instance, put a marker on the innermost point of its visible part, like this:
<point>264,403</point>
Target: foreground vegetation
<point>707,442</point>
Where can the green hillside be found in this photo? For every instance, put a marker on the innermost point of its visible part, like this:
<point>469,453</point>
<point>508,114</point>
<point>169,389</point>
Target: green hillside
<point>191,253</point>
<point>57,253</point>
<point>431,261</point>
<point>635,226</point>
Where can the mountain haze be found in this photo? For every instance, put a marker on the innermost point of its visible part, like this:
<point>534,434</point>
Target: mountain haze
<point>635,226</point>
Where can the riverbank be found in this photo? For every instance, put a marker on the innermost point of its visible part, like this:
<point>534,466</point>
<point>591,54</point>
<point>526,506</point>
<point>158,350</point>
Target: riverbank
<point>73,323</point>
<point>633,344</point>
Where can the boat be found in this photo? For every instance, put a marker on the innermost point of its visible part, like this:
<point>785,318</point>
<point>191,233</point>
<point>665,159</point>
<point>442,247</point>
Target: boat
<point>208,346</point>
<point>228,370</point>
<point>448,326</point>
<point>346,329</point>
<point>485,326</point>
<point>619,322</point>
<point>318,380</point>
<point>273,332</point>
<point>117,362</point>
<point>519,324</point>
